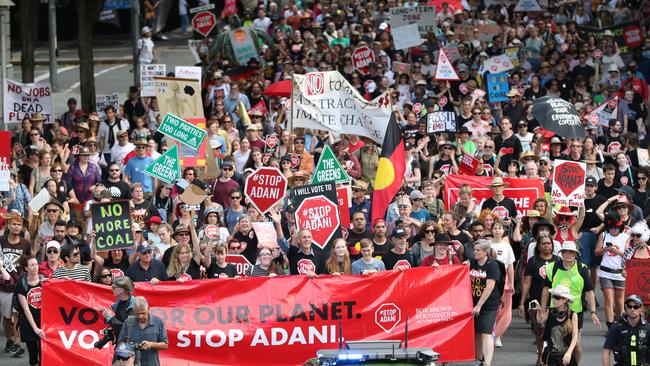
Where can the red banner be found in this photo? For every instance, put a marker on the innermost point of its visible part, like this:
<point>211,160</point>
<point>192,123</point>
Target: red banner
<point>638,278</point>
<point>271,321</point>
<point>523,191</point>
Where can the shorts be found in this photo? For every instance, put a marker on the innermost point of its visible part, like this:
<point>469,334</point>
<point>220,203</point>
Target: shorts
<point>484,323</point>
<point>615,284</point>
<point>6,304</point>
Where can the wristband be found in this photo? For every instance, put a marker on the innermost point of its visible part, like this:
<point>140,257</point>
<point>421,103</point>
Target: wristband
<point>594,312</point>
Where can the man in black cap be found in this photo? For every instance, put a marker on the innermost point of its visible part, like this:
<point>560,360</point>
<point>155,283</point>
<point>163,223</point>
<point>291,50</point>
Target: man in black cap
<point>628,337</point>
<point>399,258</point>
<point>147,268</point>
<point>116,315</point>
<point>224,184</point>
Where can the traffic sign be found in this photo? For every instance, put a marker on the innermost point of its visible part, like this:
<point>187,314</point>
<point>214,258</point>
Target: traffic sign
<point>182,131</point>
<point>239,261</point>
<point>166,167</point>
<point>597,54</point>
<point>204,22</point>
<point>329,169</point>
<point>362,57</point>
<point>319,215</point>
<point>265,187</point>
<point>387,316</point>
<point>211,231</point>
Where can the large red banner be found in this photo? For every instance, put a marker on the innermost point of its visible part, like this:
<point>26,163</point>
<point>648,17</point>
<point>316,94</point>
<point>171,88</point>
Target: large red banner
<point>523,191</point>
<point>637,280</point>
<point>272,321</point>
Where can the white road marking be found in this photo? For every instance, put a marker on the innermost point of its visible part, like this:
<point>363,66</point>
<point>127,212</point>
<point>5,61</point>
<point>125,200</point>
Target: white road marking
<point>46,75</point>
<point>76,85</point>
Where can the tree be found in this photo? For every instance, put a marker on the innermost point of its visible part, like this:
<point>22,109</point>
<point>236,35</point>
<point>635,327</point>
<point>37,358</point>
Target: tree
<point>87,15</point>
<point>28,10</point>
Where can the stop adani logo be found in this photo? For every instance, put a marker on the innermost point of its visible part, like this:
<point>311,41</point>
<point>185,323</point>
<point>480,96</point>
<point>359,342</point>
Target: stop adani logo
<point>387,316</point>
<point>315,83</point>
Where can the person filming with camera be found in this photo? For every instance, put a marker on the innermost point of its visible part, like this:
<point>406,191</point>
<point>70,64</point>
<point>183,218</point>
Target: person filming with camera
<point>116,315</point>
<point>146,331</point>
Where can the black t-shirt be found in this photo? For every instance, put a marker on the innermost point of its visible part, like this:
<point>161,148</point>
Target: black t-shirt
<point>229,270</point>
<point>586,71</point>
<point>511,142</point>
<point>301,264</point>
<point>119,189</point>
<point>118,269</point>
<point>33,295</point>
<point>143,211</point>
<point>392,260</point>
<point>409,131</point>
<point>610,191</point>
<point>466,241</point>
<point>354,239</point>
<point>591,219</point>
<point>505,208</point>
<point>11,255</point>
<point>445,166</point>
<point>612,145</point>
<point>382,249</point>
<point>193,271</point>
<point>536,268</point>
<point>479,276</point>
<point>251,244</point>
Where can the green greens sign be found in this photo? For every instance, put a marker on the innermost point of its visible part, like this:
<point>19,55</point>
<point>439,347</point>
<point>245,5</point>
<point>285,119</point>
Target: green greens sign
<point>166,167</point>
<point>182,131</point>
<point>329,169</point>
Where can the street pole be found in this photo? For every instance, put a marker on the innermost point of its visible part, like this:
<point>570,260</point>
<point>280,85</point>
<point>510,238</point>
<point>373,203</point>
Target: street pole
<point>135,35</point>
<point>51,16</point>
<point>3,60</point>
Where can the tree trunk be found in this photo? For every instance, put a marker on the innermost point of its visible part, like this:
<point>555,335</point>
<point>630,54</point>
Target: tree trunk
<point>87,14</point>
<point>28,10</point>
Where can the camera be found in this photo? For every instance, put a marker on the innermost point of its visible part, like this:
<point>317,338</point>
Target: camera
<point>107,336</point>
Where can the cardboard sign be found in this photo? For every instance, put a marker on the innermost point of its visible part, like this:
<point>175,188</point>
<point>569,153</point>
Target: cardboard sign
<point>361,58</point>
<point>637,281</point>
<point>401,68</point>
<point>468,165</point>
<point>423,16</point>
<point>112,225</point>
<point>527,6</point>
<point>514,54</point>
<point>444,69</point>
<point>266,234</point>
<point>167,167</point>
<point>478,93</point>
<point>182,131</point>
<point>40,200</point>
<point>265,188</point>
<point>627,36</point>
<point>204,20</point>
<point>147,83</point>
<point>406,36</point>
<point>103,101</point>
<point>317,210</point>
<point>498,87</point>
<point>568,183</point>
<point>180,97</point>
<point>441,121</point>
<point>603,113</point>
<point>243,45</point>
<point>329,169</point>
<point>25,100</point>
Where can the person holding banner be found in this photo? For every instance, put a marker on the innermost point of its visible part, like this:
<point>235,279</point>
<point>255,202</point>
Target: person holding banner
<point>266,266</point>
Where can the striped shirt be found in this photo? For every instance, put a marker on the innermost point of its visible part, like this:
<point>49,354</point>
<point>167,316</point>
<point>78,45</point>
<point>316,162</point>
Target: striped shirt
<point>78,273</point>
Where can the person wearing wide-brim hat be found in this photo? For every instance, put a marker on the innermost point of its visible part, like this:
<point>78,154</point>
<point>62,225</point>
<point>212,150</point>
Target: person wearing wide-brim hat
<point>557,147</point>
<point>441,253</point>
<point>528,156</point>
<point>38,117</point>
<point>507,209</point>
<point>298,178</point>
<point>83,151</point>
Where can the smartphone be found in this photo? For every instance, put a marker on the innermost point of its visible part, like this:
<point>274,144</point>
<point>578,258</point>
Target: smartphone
<point>608,244</point>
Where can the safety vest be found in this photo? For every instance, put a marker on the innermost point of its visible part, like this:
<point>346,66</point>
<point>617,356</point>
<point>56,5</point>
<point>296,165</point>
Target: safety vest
<point>570,278</point>
<point>632,346</point>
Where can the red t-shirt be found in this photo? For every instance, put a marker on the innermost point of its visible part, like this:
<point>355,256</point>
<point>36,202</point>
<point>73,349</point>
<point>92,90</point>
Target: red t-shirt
<point>430,260</point>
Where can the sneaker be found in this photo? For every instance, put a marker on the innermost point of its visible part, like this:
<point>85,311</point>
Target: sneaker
<point>17,351</point>
<point>8,345</point>
<point>497,343</point>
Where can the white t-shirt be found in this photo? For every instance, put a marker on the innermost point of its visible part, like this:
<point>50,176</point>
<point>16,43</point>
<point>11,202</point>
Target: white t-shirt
<point>611,260</point>
<point>145,50</point>
<point>504,252</point>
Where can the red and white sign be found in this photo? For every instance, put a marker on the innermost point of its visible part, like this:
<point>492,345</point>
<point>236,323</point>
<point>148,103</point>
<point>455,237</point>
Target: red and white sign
<point>632,35</point>
<point>211,231</point>
<point>444,68</point>
<point>203,22</point>
<point>116,272</point>
<point>402,265</point>
<point>523,191</point>
<point>306,266</point>
<point>637,281</point>
<point>272,142</point>
<point>361,58</point>
<point>35,297</point>
<point>468,165</point>
<point>343,194</point>
<point>496,64</point>
<point>315,83</point>
<point>597,54</point>
<point>319,215</point>
<point>388,316</point>
<point>265,187</point>
<point>277,321</point>
<point>568,183</point>
<point>242,264</point>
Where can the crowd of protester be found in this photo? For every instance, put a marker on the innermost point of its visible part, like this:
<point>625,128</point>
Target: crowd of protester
<point>548,260</point>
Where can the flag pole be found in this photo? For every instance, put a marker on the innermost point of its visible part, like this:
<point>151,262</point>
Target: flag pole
<point>289,123</point>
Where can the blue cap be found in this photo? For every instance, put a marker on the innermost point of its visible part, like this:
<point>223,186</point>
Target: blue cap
<point>144,247</point>
<point>125,350</point>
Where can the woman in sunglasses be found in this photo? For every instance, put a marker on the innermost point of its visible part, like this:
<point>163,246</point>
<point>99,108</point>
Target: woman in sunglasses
<point>611,245</point>
<point>637,246</point>
<point>568,223</point>
<point>104,276</point>
<point>560,330</point>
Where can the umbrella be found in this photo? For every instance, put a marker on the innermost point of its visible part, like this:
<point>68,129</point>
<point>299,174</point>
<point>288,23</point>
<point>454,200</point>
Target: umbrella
<point>558,115</point>
<point>281,88</point>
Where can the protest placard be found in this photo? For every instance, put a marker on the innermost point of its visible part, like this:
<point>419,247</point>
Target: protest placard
<point>40,200</point>
<point>468,165</point>
<point>243,45</point>
<point>444,69</point>
<point>496,65</point>
<point>147,73</point>
<point>514,54</point>
<point>5,160</point>
<point>25,100</point>
<point>603,113</point>
<point>406,36</point>
<point>498,87</point>
<point>362,57</point>
<point>637,279</point>
<point>112,225</point>
<point>524,6</point>
<point>568,183</point>
<point>441,121</point>
<point>103,101</point>
<point>401,68</point>
<point>423,16</point>
<point>188,72</point>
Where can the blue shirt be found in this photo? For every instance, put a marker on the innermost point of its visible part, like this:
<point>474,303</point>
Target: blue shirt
<point>135,171</point>
<point>154,331</point>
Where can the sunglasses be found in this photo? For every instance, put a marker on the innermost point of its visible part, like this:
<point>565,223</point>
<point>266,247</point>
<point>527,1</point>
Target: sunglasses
<point>115,170</point>
<point>635,307</point>
<point>555,297</point>
<point>182,234</point>
<point>635,235</point>
<point>642,178</point>
<point>140,147</point>
<point>52,251</point>
<point>122,358</point>
<point>543,163</point>
<point>235,197</point>
<point>56,171</point>
<point>298,142</point>
<point>107,276</point>
<point>52,210</point>
<point>226,169</point>
<point>429,231</point>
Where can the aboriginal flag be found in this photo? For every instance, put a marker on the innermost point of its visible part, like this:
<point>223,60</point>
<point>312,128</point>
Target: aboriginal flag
<point>390,171</point>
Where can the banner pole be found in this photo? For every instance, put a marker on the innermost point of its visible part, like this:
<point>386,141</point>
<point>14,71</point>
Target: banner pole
<point>290,119</point>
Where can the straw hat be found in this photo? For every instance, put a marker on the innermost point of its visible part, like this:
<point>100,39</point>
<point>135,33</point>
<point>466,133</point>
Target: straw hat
<point>562,291</point>
<point>497,182</point>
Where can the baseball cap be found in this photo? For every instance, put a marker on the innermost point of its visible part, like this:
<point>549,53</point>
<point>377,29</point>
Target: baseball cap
<point>415,195</point>
<point>53,244</point>
<point>399,233</point>
<point>634,298</point>
<point>227,163</point>
<point>124,350</point>
<point>591,181</point>
<point>144,247</point>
